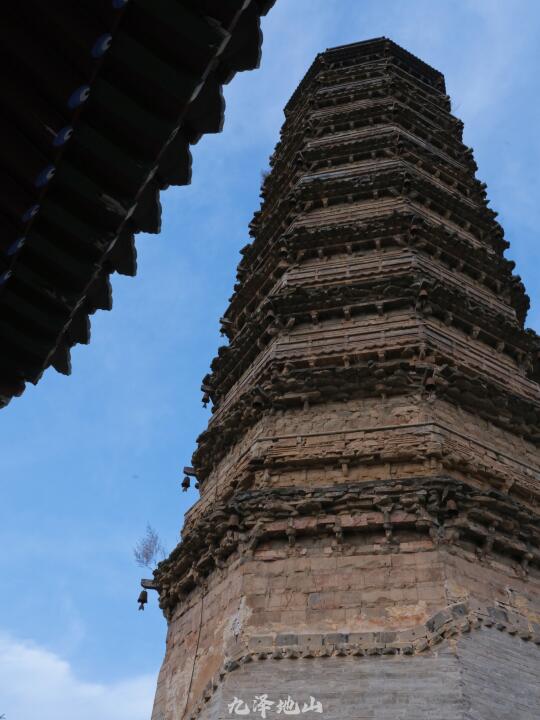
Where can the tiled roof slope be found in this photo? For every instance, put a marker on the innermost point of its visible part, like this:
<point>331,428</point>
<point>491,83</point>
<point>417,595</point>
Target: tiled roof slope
<point>101,100</point>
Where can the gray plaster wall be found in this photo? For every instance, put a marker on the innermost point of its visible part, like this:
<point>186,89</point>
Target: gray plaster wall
<point>501,676</point>
<point>485,675</point>
<point>385,688</point>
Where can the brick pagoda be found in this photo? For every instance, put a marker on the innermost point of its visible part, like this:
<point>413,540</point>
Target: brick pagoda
<point>366,543</point>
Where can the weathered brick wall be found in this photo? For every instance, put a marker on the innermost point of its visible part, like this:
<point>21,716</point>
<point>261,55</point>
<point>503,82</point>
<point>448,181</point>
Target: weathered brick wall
<point>364,585</point>
<point>411,425</point>
<point>307,595</point>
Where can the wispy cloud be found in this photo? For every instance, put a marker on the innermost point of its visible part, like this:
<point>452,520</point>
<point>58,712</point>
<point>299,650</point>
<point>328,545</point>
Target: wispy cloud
<point>36,683</point>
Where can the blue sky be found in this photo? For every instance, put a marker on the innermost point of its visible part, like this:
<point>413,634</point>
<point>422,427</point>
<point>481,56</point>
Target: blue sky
<point>88,460</point>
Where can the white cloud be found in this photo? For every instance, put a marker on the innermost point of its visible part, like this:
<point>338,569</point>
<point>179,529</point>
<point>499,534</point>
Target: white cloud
<point>36,683</point>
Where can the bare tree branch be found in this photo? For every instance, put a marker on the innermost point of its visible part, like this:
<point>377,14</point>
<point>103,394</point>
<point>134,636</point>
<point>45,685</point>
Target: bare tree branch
<point>149,551</point>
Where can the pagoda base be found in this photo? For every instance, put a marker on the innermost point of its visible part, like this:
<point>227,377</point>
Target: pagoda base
<point>484,674</point>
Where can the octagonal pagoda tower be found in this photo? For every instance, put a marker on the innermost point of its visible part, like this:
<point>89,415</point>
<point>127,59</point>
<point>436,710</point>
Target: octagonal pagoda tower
<point>366,543</point>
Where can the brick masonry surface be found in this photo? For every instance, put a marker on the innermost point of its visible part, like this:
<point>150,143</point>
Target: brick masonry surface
<point>367,532</point>
<point>485,674</point>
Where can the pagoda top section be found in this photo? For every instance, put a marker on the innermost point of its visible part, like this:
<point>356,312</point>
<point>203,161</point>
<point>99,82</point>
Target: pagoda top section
<point>381,48</point>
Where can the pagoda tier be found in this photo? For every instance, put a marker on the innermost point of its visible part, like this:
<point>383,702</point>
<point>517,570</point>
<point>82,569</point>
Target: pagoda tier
<point>372,224</point>
<point>370,474</point>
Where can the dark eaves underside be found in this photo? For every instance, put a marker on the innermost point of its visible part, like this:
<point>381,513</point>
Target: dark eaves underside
<point>100,102</point>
